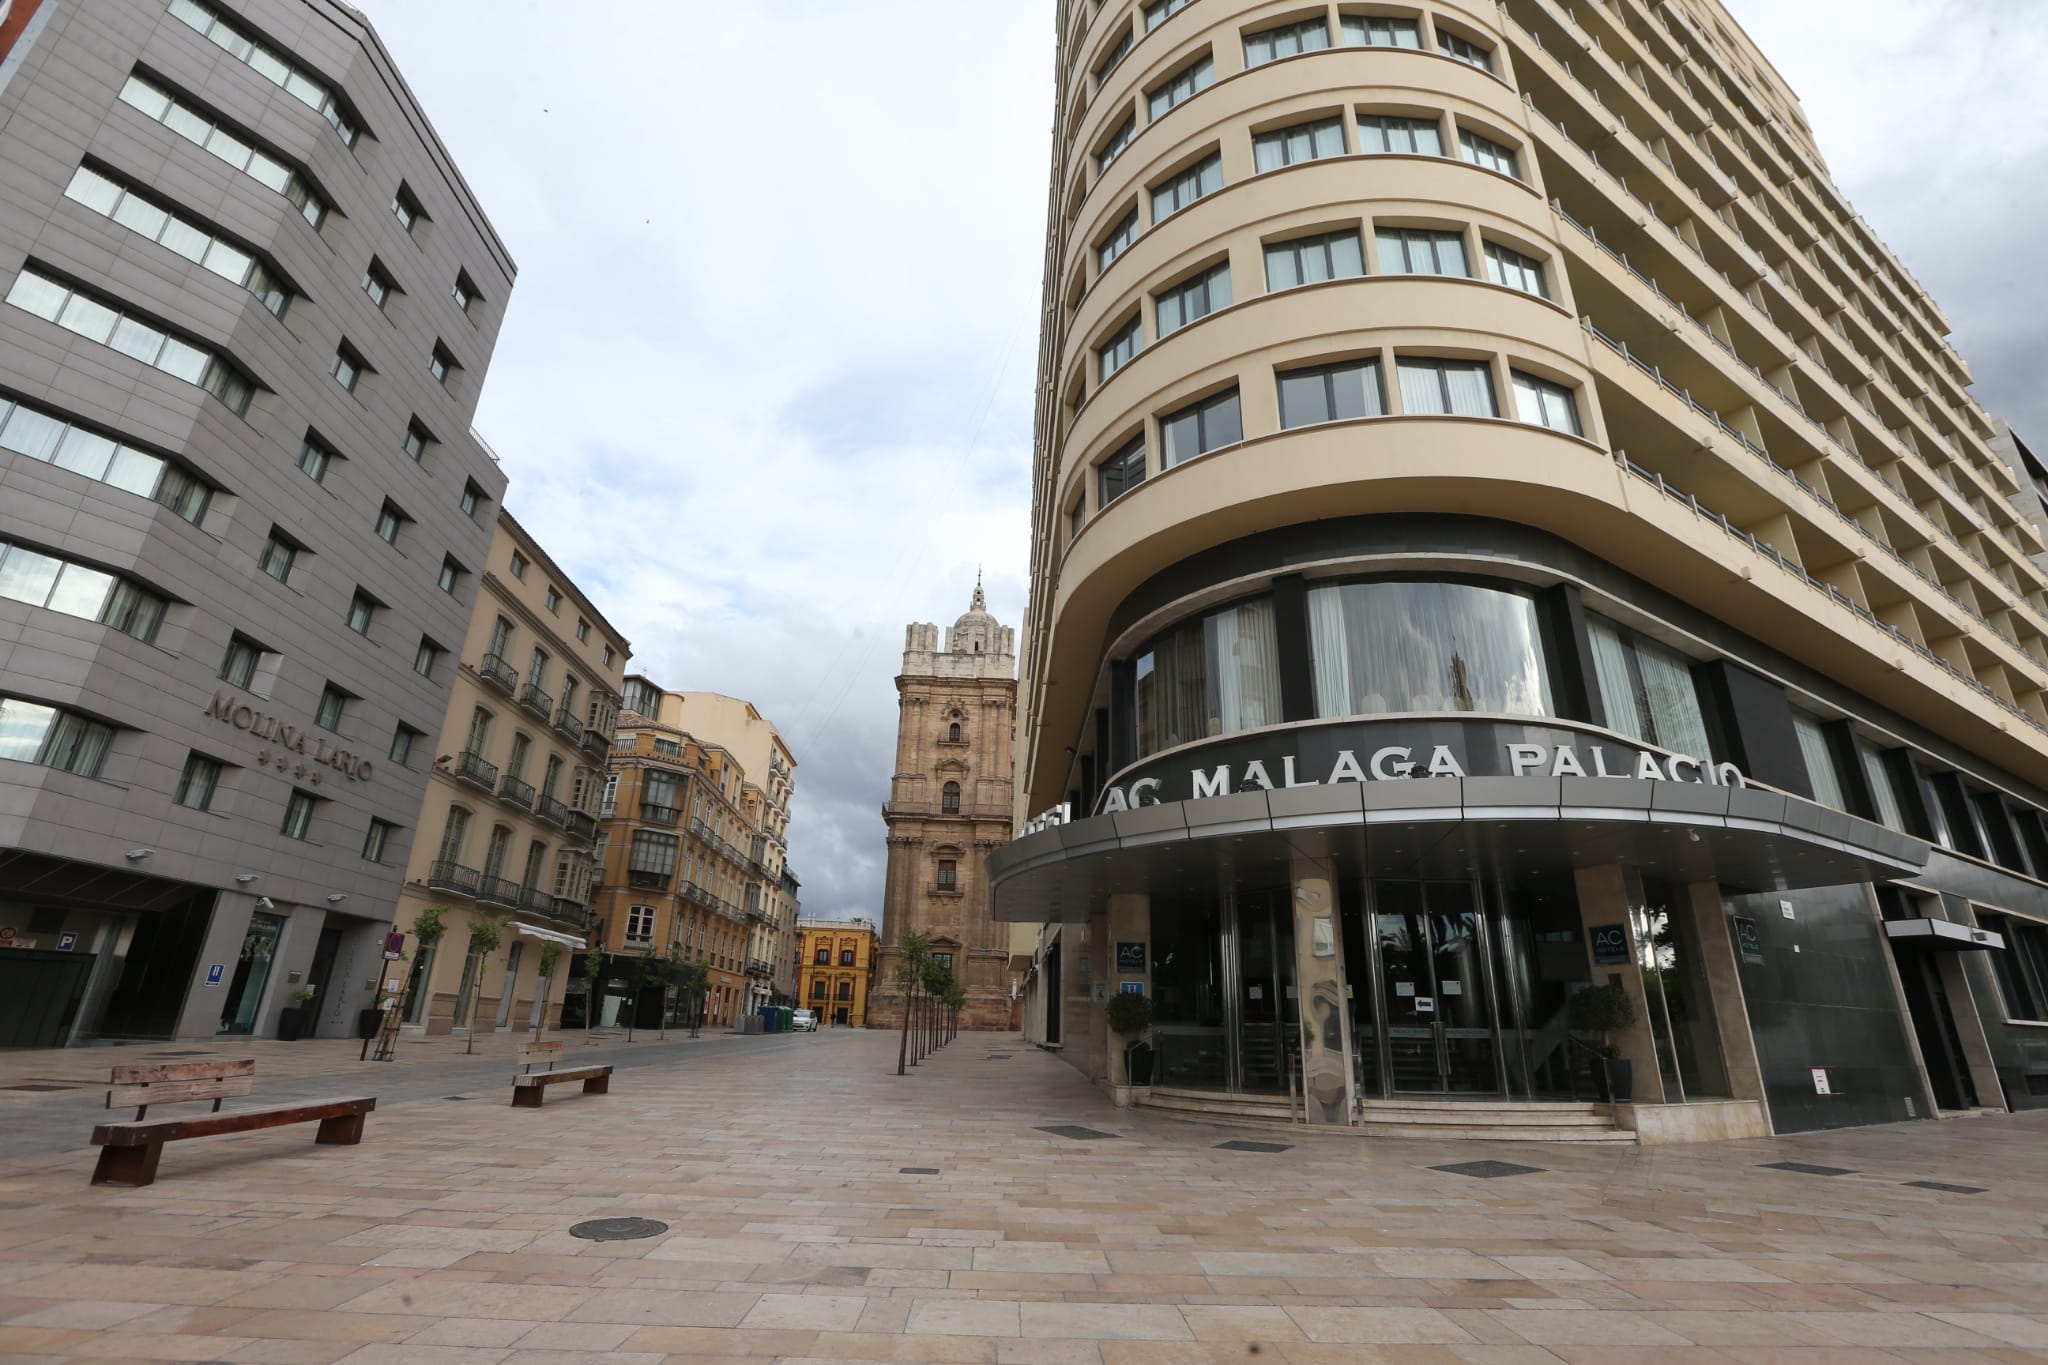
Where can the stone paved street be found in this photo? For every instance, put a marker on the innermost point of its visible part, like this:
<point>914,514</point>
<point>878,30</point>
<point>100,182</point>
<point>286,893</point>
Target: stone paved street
<point>795,1235</point>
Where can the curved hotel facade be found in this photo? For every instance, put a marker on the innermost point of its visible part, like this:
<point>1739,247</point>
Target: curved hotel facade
<point>1503,523</point>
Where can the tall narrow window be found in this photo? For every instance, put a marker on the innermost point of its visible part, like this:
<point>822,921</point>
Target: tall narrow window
<point>389,520</point>
<point>1421,251</point>
<point>463,292</point>
<point>1159,11</point>
<point>1331,393</point>
<point>1385,133</point>
<point>1311,260</point>
<point>1451,388</point>
<point>197,782</point>
<point>1303,142</point>
<point>377,839</point>
<point>1201,427</point>
<point>1820,760</point>
<point>333,702</point>
<point>1287,40</point>
<point>1646,690</point>
<point>347,367</point>
<point>298,815</point>
<point>1114,57</point>
<point>406,209</point>
<point>377,283</point>
<point>1193,298</point>
<point>314,458</point>
<point>1118,140</point>
<point>441,363</point>
<point>949,798</point>
<point>451,574</point>
<point>239,667</point>
<point>429,654</point>
<point>417,439</point>
<point>278,556</point>
<point>361,608</point>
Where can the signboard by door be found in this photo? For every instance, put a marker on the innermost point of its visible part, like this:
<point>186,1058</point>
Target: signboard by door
<point>66,942</point>
<point>1130,958</point>
<point>1821,1085</point>
<point>215,972</point>
<point>1610,945</point>
<point>1749,940</point>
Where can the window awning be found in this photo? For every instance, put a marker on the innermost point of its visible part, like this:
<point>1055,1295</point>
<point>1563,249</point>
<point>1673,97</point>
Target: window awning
<point>553,936</point>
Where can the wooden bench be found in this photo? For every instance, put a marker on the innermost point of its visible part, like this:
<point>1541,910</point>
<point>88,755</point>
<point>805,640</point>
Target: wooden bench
<point>129,1151</point>
<point>530,1087</point>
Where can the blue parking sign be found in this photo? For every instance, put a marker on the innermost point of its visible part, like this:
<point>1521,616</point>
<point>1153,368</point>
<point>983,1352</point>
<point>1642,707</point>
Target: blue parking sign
<point>66,942</point>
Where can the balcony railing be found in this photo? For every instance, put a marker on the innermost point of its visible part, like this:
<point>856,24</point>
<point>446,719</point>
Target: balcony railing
<point>648,881</point>
<point>517,792</point>
<point>596,743</point>
<point>551,810</point>
<point>536,701</point>
<point>453,877</point>
<point>567,723</point>
<point>538,901</point>
<point>659,815</point>
<point>495,670</point>
<point>582,828</point>
<point>944,888</point>
<point>756,967</point>
<point>571,912</point>
<point>499,891</point>
<point>472,767</point>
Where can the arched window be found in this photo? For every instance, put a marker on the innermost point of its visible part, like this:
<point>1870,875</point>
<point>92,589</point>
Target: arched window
<point>949,798</point>
<point>953,733</point>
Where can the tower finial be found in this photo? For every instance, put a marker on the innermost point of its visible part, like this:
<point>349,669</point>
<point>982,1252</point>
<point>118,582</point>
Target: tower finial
<point>978,604</point>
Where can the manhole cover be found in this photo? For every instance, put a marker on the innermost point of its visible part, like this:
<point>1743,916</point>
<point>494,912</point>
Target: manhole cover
<point>1806,1168</point>
<point>917,1170</point>
<point>1241,1145</point>
<point>1074,1131</point>
<point>1487,1170</point>
<point>38,1087</point>
<point>1945,1187</point>
<point>617,1229</point>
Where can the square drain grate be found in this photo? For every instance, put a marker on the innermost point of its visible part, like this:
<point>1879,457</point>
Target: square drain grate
<point>1806,1168</point>
<point>1240,1145</point>
<point>1945,1187</point>
<point>1074,1131</point>
<point>1487,1170</point>
<point>917,1170</point>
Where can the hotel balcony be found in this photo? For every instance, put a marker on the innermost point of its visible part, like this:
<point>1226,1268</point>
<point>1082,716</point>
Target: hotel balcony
<point>495,670</point>
<point>551,810</point>
<point>453,877</point>
<point>596,743</point>
<point>569,725</point>
<point>581,828</point>
<point>499,891</point>
<point>536,701</point>
<point>516,792</point>
<point>473,768</point>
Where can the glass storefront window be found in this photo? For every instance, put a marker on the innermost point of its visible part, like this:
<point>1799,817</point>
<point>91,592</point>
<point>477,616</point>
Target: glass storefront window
<point>1208,677</point>
<point>1403,646</point>
<point>1879,777</point>
<point>1820,761</point>
<point>1647,690</point>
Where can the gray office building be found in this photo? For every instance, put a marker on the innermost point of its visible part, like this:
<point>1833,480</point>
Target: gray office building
<point>248,306</point>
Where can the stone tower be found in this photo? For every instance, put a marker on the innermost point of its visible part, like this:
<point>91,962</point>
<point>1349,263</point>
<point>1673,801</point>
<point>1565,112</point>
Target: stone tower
<point>949,807</point>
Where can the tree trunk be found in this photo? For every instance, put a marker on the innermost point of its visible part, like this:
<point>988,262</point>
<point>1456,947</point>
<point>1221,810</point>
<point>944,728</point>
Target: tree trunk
<point>903,1048</point>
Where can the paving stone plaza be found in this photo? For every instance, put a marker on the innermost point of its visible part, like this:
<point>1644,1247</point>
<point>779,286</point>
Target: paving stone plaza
<point>795,1232</point>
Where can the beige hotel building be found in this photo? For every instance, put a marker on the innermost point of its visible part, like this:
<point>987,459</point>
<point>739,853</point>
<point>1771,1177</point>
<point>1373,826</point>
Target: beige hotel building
<point>1504,523</point>
<point>510,826</point>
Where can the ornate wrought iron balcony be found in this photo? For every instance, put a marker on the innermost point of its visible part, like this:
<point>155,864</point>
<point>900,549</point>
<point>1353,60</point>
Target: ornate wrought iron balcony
<point>517,792</point>
<point>495,670</point>
<point>472,767</point>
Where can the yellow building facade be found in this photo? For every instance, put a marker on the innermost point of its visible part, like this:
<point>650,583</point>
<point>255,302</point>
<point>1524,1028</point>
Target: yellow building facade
<point>510,817</point>
<point>836,970</point>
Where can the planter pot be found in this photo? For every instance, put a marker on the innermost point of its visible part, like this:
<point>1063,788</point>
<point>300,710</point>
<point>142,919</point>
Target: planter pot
<point>368,1022</point>
<point>292,1024</point>
<point>1621,1080</point>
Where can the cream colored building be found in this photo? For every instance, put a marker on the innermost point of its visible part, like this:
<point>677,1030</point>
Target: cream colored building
<point>1503,523</point>
<point>512,804</point>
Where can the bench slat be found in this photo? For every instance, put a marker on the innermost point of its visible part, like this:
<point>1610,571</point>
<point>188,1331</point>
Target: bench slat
<point>179,1092</point>
<point>539,1049</point>
<point>571,1073</point>
<point>183,1071</point>
<point>232,1121</point>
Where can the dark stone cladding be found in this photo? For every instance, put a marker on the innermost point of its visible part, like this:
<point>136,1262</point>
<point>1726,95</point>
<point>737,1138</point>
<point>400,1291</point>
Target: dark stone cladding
<point>1289,549</point>
<point>60,106</point>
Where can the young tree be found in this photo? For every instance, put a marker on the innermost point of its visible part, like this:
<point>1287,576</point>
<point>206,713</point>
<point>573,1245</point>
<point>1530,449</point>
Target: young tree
<point>485,934</point>
<point>593,972</point>
<point>427,930</point>
<point>937,983</point>
<point>663,973</point>
<point>696,977</point>
<point>550,954</point>
<point>917,954</point>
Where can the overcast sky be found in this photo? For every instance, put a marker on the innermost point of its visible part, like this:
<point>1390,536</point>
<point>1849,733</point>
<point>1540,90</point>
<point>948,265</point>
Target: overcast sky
<point>765,386</point>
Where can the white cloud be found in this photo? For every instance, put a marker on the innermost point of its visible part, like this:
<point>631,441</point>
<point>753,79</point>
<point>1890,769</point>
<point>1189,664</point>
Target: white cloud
<point>765,388</point>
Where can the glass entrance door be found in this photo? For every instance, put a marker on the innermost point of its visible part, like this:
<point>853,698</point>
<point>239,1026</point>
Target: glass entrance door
<point>252,973</point>
<point>1435,989</point>
<point>1268,1043</point>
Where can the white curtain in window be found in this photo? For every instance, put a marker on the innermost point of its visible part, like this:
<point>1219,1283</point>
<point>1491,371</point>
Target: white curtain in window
<point>1617,685</point>
<point>1674,702</point>
<point>1820,761</point>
